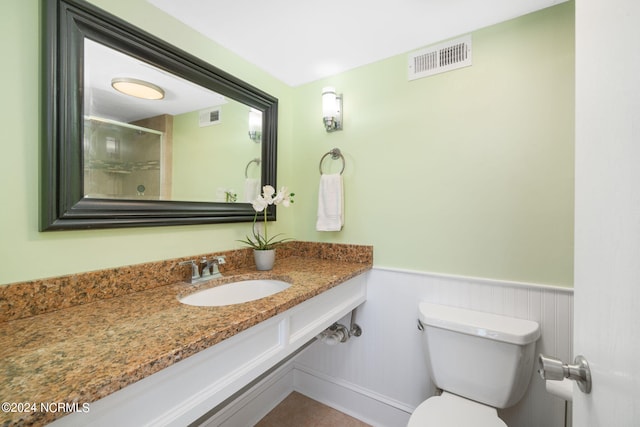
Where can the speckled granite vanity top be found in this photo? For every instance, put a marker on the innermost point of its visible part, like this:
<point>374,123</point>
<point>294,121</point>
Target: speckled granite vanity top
<point>81,353</point>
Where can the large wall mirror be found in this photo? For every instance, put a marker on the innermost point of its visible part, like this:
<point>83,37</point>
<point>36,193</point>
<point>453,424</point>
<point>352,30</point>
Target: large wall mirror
<point>190,145</point>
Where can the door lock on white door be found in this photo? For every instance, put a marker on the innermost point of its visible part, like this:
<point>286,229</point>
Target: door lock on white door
<point>554,369</point>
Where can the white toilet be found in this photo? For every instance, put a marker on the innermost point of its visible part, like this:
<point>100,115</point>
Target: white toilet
<point>480,361</point>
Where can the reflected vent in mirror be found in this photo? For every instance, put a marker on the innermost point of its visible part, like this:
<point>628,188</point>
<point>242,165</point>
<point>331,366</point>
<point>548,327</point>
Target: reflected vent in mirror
<point>211,116</point>
<point>437,59</point>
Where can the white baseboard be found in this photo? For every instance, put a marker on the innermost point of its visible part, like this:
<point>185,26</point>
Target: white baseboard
<point>354,401</point>
<point>365,405</point>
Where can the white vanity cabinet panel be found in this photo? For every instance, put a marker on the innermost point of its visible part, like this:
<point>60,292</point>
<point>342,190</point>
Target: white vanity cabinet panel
<point>183,392</point>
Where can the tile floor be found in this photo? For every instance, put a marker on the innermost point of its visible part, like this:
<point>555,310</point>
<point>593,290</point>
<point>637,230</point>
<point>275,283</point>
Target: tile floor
<point>297,410</point>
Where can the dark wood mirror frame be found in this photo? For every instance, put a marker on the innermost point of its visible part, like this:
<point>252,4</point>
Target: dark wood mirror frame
<point>63,205</point>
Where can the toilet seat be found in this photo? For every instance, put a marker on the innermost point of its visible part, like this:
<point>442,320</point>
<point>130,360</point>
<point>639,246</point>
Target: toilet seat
<point>449,410</point>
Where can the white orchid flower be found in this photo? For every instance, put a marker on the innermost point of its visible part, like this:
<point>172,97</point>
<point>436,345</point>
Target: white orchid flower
<point>280,196</point>
<point>268,192</point>
<point>259,204</point>
<point>283,197</point>
<point>262,241</point>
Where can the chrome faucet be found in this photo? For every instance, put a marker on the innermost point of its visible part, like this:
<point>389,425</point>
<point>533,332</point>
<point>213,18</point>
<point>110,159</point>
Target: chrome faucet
<point>195,273</point>
<point>209,270</point>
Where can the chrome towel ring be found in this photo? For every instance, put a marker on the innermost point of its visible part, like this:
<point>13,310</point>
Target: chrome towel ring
<point>246,169</point>
<point>335,155</point>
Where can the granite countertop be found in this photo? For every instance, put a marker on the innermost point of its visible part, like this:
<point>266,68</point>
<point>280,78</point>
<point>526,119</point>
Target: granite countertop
<point>85,352</point>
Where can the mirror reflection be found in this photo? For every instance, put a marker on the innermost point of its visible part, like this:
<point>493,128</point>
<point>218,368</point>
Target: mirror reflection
<point>187,149</point>
<point>186,143</point>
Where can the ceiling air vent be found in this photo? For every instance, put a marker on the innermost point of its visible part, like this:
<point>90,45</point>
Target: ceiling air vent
<point>210,116</point>
<point>437,59</point>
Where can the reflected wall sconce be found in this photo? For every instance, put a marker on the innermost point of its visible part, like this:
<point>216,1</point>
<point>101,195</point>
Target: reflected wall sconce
<point>331,109</point>
<point>255,125</point>
<point>138,88</point>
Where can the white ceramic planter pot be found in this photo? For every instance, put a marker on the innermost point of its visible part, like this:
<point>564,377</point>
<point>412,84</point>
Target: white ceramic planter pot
<point>264,259</point>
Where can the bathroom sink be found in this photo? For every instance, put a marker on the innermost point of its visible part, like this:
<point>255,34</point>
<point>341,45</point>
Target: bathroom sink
<point>235,293</point>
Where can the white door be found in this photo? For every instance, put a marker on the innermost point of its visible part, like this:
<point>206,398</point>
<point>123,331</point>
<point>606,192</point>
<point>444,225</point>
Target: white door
<point>607,227</point>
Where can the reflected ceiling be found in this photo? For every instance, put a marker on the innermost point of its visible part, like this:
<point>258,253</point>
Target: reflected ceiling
<point>103,64</point>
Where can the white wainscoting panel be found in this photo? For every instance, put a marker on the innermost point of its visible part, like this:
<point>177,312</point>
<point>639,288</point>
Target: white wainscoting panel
<point>387,365</point>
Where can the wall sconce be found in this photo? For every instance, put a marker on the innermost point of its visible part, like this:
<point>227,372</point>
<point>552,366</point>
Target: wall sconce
<point>137,88</point>
<point>331,109</point>
<point>255,125</point>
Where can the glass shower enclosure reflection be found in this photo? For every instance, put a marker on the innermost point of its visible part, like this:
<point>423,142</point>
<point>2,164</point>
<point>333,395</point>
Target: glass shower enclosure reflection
<point>124,161</point>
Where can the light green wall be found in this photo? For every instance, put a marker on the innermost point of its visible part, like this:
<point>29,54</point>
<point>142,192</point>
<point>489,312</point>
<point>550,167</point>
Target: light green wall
<point>468,172</point>
<point>214,157</point>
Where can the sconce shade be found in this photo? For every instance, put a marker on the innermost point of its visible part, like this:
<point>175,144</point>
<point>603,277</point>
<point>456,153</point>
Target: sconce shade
<point>329,106</point>
<point>255,125</point>
<point>137,88</point>
<point>331,109</point>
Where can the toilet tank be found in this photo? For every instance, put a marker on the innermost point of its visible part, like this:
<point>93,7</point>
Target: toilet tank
<point>481,356</point>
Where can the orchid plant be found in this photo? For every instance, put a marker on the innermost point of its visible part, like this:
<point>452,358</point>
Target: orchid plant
<point>268,197</point>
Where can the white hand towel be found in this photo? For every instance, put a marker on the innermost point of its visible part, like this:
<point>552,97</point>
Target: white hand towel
<point>251,189</point>
<point>330,203</point>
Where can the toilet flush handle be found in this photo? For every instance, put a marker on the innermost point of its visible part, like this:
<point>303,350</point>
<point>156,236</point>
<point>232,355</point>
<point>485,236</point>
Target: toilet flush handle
<point>554,369</point>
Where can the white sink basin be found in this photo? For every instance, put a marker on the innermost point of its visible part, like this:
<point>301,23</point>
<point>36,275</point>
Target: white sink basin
<point>235,293</point>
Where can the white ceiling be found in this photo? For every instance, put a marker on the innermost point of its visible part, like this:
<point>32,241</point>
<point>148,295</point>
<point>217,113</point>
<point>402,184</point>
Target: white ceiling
<point>299,41</point>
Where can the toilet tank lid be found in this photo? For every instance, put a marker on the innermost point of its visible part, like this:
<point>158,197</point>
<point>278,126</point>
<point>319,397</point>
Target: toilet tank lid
<point>481,324</point>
